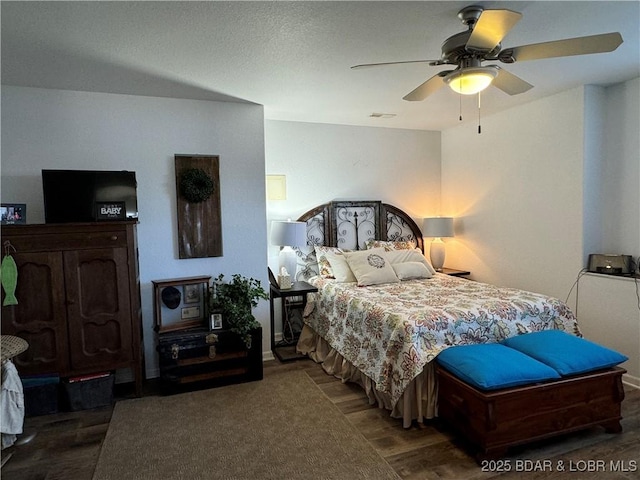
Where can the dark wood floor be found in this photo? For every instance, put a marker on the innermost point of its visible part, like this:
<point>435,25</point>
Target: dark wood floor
<point>67,445</point>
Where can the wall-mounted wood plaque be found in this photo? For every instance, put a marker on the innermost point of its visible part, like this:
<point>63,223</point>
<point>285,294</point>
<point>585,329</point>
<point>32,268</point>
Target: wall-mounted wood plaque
<point>199,223</point>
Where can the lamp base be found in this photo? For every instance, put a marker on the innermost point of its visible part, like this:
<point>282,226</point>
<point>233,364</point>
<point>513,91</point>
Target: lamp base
<point>437,254</point>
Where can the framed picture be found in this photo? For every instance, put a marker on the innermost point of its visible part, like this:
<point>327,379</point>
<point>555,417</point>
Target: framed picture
<point>13,213</point>
<point>190,312</point>
<point>215,321</point>
<point>110,211</point>
<point>192,293</point>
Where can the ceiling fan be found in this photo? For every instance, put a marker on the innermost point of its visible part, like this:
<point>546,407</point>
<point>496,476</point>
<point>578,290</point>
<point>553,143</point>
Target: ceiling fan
<point>482,43</point>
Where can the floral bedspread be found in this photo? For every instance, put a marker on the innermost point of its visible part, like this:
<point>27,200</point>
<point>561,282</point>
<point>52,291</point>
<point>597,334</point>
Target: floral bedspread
<point>391,331</point>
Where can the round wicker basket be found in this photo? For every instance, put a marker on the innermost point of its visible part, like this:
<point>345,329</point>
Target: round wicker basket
<point>11,346</point>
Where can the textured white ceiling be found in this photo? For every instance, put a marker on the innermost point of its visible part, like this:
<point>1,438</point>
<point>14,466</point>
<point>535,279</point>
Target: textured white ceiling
<point>294,57</point>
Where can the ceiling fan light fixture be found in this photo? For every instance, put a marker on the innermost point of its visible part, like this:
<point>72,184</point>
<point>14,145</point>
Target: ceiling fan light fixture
<point>471,80</point>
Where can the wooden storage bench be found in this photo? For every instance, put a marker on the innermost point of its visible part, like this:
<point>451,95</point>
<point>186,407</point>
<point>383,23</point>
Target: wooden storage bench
<point>495,420</point>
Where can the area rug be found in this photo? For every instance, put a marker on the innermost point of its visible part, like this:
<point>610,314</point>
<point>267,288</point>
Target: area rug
<point>282,427</point>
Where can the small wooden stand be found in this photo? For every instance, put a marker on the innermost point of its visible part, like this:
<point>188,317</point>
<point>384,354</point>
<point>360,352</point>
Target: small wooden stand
<point>192,355</point>
<point>285,351</point>
<point>166,319</point>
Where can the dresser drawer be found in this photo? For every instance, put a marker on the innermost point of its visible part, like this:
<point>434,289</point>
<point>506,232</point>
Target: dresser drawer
<point>68,241</point>
<point>68,236</point>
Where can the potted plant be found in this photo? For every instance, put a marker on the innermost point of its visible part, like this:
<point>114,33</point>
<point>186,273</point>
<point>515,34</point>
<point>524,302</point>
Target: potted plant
<point>236,300</point>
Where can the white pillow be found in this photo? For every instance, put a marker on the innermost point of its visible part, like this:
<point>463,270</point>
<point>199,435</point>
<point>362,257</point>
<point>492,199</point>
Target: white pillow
<point>340,267</point>
<point>402,256</point>
<point>409,270</point>
<point>324,267</point>
<point>371,267</point>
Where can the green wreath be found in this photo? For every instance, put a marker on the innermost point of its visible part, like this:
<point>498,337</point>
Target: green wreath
<point>195,185</point>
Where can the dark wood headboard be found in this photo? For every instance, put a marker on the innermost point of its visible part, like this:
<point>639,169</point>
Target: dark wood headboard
<point>349,225</point>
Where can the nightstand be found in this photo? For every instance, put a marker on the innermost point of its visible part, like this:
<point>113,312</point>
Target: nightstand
<point>285,350</point>
<point>455,273</point>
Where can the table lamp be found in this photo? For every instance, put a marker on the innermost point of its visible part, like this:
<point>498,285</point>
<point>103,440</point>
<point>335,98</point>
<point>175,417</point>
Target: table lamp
<point>438,227</point>
<point>287,234</point>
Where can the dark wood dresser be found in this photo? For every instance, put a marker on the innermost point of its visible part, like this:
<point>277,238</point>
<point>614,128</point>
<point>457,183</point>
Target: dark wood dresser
<point>79,298</point>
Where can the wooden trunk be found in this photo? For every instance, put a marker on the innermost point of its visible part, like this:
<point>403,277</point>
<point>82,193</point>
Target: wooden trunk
<point>495,420</point>
<point>201,357</point>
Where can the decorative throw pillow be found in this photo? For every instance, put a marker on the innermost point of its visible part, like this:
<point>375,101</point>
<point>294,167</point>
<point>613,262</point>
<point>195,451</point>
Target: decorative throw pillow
<point>409,270</point>
<point>370,267</point>
<point>489,366</point>
<point>341,270</point>
<point>402,256</point>
<point>566,353</point>
<point>389,245</point>
<point>324,267</point>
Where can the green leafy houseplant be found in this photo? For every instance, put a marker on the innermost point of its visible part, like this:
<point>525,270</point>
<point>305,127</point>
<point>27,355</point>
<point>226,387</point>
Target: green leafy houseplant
<point>236,300</point>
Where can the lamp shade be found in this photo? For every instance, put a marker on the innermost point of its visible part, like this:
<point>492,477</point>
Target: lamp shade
<point>438,227</point>
<point>288,233</point>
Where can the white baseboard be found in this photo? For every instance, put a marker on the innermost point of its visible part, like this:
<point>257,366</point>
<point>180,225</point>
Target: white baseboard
<point>631,380</point>
<point>266,356</point>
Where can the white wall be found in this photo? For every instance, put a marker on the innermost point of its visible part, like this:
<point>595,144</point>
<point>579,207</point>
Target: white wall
<point>608,308</point>
<point>612,169</point>
<point>334,162</point>
<point>594,151</point>
<point>621,169</point>
<point>608,313</point>
<point>78,130</point>
<point>516,192</point>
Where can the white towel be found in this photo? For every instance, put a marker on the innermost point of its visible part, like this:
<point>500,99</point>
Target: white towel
<point>11,404</point>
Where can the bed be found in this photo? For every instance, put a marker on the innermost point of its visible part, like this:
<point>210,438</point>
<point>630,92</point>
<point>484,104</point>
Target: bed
<point>384,336</point>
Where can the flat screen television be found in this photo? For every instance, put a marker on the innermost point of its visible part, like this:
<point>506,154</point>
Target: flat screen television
<point>89,195</point>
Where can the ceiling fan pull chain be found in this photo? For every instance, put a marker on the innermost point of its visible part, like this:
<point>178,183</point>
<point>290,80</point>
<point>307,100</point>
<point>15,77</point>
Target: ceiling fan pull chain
<point>479,127</point>
<point>460,97</point>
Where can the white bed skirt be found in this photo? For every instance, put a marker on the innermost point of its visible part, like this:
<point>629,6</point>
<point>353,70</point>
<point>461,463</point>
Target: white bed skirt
<point>418,402</point>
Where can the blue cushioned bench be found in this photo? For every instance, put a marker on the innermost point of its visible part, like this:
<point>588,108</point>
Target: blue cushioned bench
<point>530,387</point>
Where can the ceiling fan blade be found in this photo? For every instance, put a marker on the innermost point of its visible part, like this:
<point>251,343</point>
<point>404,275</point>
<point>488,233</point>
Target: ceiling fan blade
<point>367,65</point>
<point>427,88</point>
<point>606,42</point>
<point>510,83</point>
<point>491,28</point>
